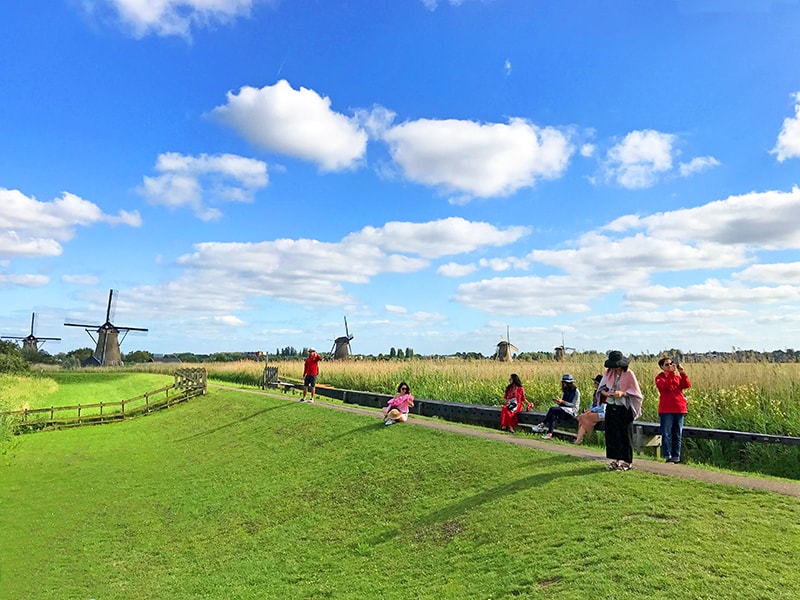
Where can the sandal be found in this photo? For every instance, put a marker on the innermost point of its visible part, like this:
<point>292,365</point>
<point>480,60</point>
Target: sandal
<point>623,466</point>
<point>612,466</point>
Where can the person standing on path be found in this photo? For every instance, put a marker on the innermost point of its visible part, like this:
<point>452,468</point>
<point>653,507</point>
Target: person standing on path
<point>310,372</point>
<point>671,407</point>
<point>623,405</point>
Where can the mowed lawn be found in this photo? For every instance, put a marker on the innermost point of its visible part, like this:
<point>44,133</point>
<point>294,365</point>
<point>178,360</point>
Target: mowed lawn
<point>241,495</point>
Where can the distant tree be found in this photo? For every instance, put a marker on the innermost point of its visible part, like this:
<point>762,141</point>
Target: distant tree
<point>137,357</point>
<point>80,354</point>
<point>409,353</point>
<point>38,357</point>
<point>392,353</point>
<point>400,354</point>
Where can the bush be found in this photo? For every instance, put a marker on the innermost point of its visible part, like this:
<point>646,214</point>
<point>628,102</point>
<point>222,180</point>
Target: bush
<point>11,360</point>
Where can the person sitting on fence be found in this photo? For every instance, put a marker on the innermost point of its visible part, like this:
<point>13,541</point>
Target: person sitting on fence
<point>566,407</point>
<point>397,409</point>
<point>513,401</point>
<point>589,418</point>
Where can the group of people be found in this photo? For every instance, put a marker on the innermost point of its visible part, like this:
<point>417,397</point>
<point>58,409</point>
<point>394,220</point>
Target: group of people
<point>617,401</point>
<point>395,412</point>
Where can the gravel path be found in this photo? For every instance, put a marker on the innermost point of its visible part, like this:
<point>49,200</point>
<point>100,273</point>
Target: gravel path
<point>778,486</point>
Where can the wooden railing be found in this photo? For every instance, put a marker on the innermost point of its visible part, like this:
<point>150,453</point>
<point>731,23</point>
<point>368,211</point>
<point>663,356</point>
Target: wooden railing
<point>187,384</point>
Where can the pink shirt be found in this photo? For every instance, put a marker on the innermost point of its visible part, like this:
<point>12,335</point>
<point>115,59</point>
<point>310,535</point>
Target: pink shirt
<point>402,403</point>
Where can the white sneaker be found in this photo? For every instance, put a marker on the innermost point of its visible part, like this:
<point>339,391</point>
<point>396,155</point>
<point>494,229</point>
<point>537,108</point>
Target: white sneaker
<point>540,428</point>
<point>311,401</point>
<point>389,422</point>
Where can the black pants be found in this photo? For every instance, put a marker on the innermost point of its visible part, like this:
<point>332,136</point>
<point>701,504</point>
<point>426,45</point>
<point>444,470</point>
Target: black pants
<point>619,433</point>
<point>555,413</point>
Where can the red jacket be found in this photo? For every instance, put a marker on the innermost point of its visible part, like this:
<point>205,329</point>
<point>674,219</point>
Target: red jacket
<point>670,392</point>
<point>312,365</point>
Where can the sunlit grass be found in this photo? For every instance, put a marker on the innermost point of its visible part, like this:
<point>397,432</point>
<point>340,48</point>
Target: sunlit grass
<point>236,495</point>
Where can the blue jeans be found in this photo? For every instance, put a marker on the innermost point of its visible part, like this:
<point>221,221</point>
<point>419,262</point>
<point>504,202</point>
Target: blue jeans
<point>671,434</point>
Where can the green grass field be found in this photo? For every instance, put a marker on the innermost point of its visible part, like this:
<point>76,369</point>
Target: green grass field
<point>238,495</point>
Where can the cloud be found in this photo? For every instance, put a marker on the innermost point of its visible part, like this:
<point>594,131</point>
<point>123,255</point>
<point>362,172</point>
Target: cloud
<point>193,181</point>
<point>80,279</point>
<point>713,292</point>
<point>298,123</point>
<point>221,277</point>
<point>697,165</point>
<point>507,67</point>
<point>456,270</point>
<point>771,273</point>
<point>170,17</point>
<point>431,5</point>
<point>788,144</point>
<point>397,310</point>
<point>531,296</point>
<point>29,228</point>
<point>639,159</point>
<point>10,279</point>
<point>766,220</point>
<point>478,160</point>
<point>435,239</point>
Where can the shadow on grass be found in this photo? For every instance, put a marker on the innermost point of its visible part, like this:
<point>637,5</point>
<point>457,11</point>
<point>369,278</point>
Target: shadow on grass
<point>456,510</point>
<point>362,429</point>
<point>231,424</point>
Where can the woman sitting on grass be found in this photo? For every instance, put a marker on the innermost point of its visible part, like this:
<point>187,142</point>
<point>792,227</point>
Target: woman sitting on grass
<point>397,409</point>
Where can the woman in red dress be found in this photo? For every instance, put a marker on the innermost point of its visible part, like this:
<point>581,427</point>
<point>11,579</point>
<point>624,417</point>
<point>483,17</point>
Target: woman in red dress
<point>513,401</point>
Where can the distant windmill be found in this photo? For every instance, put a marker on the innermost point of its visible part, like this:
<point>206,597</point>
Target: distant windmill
<point>31,341</point>
<point>341,345</point>
<point>561,351</point>
<point>504,347</point>
<point>107,352</point>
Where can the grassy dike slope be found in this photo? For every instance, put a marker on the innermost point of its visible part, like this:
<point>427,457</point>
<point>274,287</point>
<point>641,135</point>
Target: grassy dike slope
<point>235,495</point>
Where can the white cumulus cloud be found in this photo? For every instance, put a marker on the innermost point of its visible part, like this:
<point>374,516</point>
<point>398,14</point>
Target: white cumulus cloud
<point>30,228</point>
<point>788,144</point>
<point>475,159</point>
<point>298,123</point>
<point>170,17</point>
<point>194,181</point>
<point>639,159</point>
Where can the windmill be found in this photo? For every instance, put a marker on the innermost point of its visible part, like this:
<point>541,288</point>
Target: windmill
<point>31,341</point>
<point>341,345</point>
<point>561,351</point>
<point>107,352</point>
<point>504,347</point>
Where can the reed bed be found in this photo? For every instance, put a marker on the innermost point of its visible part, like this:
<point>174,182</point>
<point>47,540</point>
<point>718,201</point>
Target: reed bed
<point>760,397</point>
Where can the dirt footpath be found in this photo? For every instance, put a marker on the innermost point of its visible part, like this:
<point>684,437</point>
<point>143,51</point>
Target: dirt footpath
<point>779,486</point>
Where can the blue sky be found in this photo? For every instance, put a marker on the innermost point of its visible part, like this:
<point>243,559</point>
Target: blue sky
<point>246,173</point>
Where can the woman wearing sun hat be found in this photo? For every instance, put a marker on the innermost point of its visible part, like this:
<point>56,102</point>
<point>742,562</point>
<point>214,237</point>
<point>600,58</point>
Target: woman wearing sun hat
<point>623,405</point>
<point>566,406</point>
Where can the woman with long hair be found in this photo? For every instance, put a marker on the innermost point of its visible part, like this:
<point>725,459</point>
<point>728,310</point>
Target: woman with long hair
<point>513,401</point>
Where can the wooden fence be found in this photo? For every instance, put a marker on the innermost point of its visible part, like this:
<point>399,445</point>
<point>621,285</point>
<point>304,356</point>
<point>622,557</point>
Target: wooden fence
<point>187,384</point>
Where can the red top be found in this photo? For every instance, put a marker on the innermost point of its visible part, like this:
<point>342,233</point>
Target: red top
<point>670,392</point>
<point>518,393</point>
<point>312,365</point>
